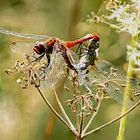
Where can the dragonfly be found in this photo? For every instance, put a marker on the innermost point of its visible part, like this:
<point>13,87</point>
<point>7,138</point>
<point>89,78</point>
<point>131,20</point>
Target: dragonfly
<point>47,48</point>
<point>104,75</point>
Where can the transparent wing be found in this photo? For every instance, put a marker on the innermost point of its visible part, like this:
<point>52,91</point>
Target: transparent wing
<point>23,35</point>
<point>73,57</point>
<point>56,68</point>
<point>113,81</point>
<point>22,47</point>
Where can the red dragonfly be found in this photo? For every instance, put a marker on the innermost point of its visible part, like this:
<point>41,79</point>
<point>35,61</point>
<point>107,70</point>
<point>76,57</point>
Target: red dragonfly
<point>37,50</point>
<point>105,76</point>
<point>49,46</point>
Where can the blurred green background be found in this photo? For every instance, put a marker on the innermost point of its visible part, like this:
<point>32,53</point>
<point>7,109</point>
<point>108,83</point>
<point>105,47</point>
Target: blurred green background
<point>23,113</point>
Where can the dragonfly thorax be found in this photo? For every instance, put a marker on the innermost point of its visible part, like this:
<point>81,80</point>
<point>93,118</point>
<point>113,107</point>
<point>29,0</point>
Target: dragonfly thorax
<point>91,57</point>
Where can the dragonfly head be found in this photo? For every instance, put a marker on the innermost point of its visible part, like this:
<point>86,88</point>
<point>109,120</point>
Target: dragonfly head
<point>39,47</point>
<point>94,43</point>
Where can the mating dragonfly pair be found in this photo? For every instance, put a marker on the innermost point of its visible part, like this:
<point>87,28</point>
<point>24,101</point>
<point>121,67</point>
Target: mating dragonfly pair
<point>46,60</point>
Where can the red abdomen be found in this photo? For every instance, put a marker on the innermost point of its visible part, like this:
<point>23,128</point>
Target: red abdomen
<point>70,44</point>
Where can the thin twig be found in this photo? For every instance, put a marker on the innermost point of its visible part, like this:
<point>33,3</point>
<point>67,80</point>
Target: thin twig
<point>64,113</point>
<point>53,110</point>
<point>82,118</point>
<point>91,119</point>
<point>112,121</point>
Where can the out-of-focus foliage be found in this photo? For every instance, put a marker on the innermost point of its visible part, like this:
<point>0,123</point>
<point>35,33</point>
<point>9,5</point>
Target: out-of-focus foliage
<point>23,113</point>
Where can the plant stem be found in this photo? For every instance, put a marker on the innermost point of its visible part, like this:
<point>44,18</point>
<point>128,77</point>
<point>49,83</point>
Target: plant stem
<point>79,138</point>
<point>91,119</point>
<point>127,91</point>
<point>64,113</point>
<point>127,96</point>
<point>81,118</point>
<point>112,121</point>
<point>53,110</point>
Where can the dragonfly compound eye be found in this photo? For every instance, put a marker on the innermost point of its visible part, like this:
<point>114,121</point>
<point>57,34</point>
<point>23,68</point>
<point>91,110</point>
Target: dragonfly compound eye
<point>94,44</point>
<point>97,44</point>
<point>39,47</point>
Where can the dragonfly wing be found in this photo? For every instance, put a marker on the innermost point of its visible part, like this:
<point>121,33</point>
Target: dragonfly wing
<point>112,80</point>
<point>23,35</point>
<point>22,47</point>
<point>73,57</point>
<point>56,68</point>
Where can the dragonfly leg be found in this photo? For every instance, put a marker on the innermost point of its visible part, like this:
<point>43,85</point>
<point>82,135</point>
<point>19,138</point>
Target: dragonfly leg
<point>87,71</point>
<point>37,58</point>
<point>68,62</point>
<point>48,58</point>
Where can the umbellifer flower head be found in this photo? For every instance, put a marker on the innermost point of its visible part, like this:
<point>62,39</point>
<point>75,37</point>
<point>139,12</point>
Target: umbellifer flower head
<point>123,17</point>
